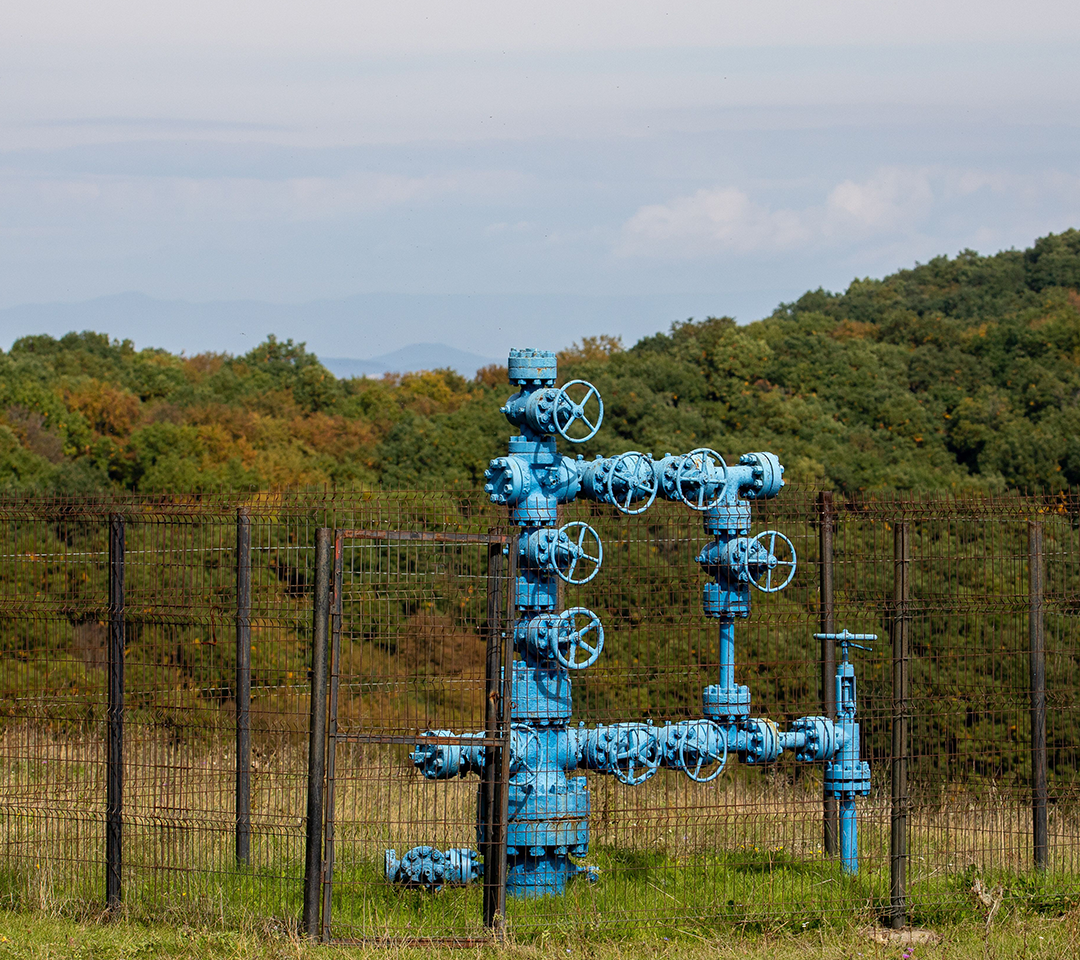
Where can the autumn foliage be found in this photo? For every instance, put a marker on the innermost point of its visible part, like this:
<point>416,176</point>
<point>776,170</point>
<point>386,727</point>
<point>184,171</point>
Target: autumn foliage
<point>962,372</point>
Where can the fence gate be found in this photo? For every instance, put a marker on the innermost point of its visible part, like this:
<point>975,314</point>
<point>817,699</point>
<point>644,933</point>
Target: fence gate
<point>412,625</point>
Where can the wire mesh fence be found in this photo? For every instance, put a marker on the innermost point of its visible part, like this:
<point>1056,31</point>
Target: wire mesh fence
<point>181,784</point>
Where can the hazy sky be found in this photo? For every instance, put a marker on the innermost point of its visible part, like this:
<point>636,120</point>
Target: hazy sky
<point>724,154</point>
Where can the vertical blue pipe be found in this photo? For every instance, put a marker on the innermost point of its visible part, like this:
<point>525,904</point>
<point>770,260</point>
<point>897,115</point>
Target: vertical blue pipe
<point>848,775</point>
<point>727,654</point>
<point>849,756</point>
<point>849,836</point>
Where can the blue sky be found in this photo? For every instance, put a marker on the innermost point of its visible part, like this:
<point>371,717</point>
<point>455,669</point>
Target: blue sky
<point>703,157</point>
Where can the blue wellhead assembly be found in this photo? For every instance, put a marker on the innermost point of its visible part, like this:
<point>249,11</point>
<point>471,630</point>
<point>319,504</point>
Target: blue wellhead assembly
<point>548,808</point>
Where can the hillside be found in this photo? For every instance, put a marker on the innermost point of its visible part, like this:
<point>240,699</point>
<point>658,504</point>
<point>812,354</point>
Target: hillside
<point>962,372</point>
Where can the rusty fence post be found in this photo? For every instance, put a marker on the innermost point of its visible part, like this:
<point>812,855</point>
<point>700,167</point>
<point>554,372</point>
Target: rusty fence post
<point>337,590</point>
<point>243,686</point>
<point>501,765</point>
<point>1037,651</point>
<point>324,538</point>
<point>114,787</point>
<point>901,628</point>
<point>493,906</point>
<point>827,624</point>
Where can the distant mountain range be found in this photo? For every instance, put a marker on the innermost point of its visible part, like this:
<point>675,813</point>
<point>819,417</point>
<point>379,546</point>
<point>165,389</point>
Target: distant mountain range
<point>167,323</point>
<point>383,331</point>
<point>419,356</point>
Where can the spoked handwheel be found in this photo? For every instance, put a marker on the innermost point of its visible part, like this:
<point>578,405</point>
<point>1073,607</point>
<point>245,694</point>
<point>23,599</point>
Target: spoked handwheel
<point>568,411</point>
<point>696,472</point>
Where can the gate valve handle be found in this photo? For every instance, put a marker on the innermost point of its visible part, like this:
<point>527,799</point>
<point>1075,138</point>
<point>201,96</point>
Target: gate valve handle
<point>696,468</point>
<point>844,644</point>
<point>573,639</point>
<point>567,411</point>
<point>649,759</point>
<point>847,640</point>
<point>702,753</point>
<point>566,555</point>
<point>635,470</point>
<point>764,579</point>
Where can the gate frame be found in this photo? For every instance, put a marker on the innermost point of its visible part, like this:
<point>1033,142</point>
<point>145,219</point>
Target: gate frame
<point>328,608</point>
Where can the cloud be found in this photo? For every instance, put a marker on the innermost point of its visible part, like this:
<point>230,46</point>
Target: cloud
<point>894,198</point>
<point>726,220</point>
<point>723,219</point>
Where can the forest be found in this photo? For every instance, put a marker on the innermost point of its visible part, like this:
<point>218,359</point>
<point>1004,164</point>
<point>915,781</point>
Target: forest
<point>960,374</point>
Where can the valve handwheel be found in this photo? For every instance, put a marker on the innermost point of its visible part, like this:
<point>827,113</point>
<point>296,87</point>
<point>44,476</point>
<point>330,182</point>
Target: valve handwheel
<point>649,760</point>
<point>576,641</point>
<point>579,553</point>
<point>567,411</point>
<point>775,564</point>
<point>636,471</point>
<point>696,469</point>
<point>702,753</point>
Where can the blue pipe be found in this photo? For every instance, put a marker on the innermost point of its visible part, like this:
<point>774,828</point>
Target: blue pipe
<point>727,654</point>
<point>849,836</point>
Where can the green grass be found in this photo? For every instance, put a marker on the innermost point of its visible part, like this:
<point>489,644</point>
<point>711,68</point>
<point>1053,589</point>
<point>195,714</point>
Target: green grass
<point>652,897</point>
<point>641,898</point>
<point>676,860</point>
<point>1018,936</point>
<point>638,893</point>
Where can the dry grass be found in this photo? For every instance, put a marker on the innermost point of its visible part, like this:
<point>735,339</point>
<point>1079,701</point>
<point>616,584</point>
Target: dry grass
<point>739,851</point>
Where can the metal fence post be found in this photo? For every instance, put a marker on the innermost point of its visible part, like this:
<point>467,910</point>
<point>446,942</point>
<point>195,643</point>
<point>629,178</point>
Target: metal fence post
<point>114,789</point>
<point>1037,649</point>
<point>336,612</point>
<point>243,686</point>
<point>827,622</point>
<point>324,545</point>
<point>493,671</point>
<point>898,849</point>
<point>502,759</point>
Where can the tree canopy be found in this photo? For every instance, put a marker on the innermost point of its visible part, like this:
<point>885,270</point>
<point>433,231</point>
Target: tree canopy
<point>958,373</point>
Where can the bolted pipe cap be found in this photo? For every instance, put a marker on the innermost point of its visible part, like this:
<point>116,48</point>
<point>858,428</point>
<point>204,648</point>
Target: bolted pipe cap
<point>526,366</point>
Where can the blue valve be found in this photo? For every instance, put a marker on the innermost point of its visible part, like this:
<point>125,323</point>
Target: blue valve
<point>847,775</point>
<point>762,562</point>
<point>568,411</point>
<point>571,552</point>
<point>848,640</point>
<point>632,477</point>
<point>545,410</point>
<point>630,752</point>
<point>573,639</point>
<point>581,642</point>
<point>700,478</point>
<point>574,552</point>
<point>705,743</point>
